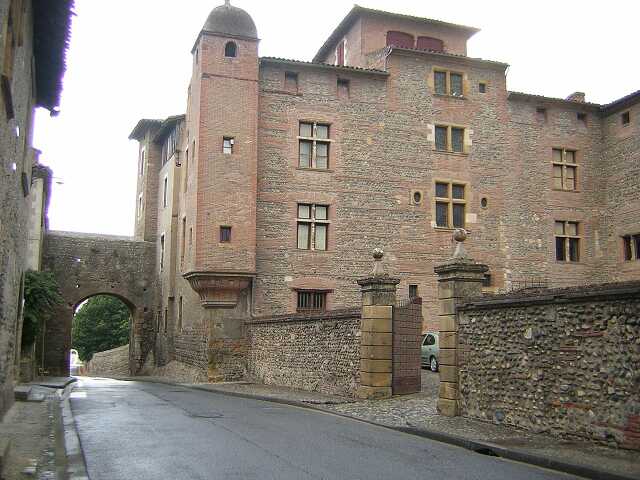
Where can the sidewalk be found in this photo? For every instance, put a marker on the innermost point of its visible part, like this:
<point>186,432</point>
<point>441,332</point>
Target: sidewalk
<point>32,430</point>
<point>416,414</point>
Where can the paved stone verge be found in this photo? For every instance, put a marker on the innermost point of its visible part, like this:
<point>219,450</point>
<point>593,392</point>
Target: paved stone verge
<point>416,414</point>
<point>33,431</point>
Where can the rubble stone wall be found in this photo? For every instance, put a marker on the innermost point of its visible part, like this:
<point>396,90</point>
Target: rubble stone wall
<point>563,361</point>
<point>110,363</point>
<point>319,353</point>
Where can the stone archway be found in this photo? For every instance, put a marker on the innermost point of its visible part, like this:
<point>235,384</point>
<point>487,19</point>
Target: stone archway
<point>86,265</point>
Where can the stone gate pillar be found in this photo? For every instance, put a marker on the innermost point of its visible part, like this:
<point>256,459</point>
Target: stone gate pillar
<point>376,343</point>
<point>459,278</point>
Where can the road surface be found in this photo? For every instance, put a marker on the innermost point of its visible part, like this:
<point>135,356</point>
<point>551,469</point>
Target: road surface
<point>141,430</point>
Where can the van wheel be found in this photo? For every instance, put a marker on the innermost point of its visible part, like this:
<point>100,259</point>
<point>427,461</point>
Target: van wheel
<point>433,364</point>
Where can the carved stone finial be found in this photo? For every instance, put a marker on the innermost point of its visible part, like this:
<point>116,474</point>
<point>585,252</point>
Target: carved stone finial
<point>378,268</point>
<point>460,235</point>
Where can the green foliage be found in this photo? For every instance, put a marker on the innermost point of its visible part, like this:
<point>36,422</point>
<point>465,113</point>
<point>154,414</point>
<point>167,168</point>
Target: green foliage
<point>102,323</point>
<point>41,295</point>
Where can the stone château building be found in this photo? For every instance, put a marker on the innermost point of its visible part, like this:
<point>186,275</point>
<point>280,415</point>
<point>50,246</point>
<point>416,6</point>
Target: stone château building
<point>33,42</point>
<point>268,195</point>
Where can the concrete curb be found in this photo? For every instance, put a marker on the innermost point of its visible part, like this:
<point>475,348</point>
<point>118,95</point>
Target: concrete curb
<point>76,467</point>
<point>468,444</point>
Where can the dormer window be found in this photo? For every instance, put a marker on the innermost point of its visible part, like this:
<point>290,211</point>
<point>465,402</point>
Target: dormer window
<point>340,53</point>
<point>231,49</point>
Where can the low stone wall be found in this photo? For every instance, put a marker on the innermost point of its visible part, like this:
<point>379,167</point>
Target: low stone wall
<point>190,348</point>
<point>563,361</point>
<point>319,353</point>
<point>110,363</point>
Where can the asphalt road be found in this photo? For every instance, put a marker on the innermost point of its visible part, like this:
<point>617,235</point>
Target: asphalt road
<point>138,430</point>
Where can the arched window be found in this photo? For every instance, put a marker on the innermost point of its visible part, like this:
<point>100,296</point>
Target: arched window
<point>230,49</point>
<point>400,40</point>
<point>430,43</point>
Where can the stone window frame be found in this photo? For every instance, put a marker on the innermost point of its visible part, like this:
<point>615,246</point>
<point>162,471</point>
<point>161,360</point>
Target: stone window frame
<point>162,251</point>
<point>165,191</point>
<point>315,140</point>
<point>449,146</point>
<point>315,296</point>
<point>450,201</point>
<point>140,200</point>
<point>566,237</point>
<point>482,87</point>
<point>228,144</point>
<point>225,234</point>
<point>631,247</point>
<point>565,166</point>
<point>143,152</point>
<point>447,89</point>
<point>312,221</point>
<point>231,49</point>
<point>625,118</point>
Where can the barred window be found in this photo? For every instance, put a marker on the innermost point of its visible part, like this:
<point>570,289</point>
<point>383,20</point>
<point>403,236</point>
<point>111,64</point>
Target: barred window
<point>312,301</point>
<point>313,226</point>
<point>567,241</point>
<point>314,143</point>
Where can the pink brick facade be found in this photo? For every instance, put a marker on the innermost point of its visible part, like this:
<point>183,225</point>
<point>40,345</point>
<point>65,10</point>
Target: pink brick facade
<point>382,151</point>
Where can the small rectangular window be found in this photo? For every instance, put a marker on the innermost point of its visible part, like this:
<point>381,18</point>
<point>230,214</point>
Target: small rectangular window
<point>456,84</point>
<point>541,114</point>
<point>166,319</point>
<point>343,88</point>
<point>180,314</point>
<point>165,192</point>
<point>161,252</point>
<point>291,82</point>
<point>631,247</point>
<point>311,301</point>
<point>227,145</point>
<point>582,117</point>
<point>457,140</point>
<point>440,82</point>
<point>413,291</point>
<point>441,138</point>
<point>486,280</point>
<point>225,234</point>
<point>482,87</point>
<point>626,118</point>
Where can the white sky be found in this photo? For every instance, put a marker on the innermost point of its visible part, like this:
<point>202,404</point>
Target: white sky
<point>131,59</point>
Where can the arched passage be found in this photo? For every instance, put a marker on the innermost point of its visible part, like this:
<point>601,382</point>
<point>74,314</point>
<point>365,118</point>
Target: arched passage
<point>88,265</point>
<point>100,323</point>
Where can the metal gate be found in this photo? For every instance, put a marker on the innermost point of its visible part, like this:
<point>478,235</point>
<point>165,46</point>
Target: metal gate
<point>407,332</point>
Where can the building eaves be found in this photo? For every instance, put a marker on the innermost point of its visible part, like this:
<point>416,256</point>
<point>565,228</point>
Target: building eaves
<point>621,103</point>
<point>141,128</point>
<point>51,34</point>
<point>328,66</point>
<point>449,55</point>
<point>559,101</point>
<point>357,11</point>
<point>167,125</point>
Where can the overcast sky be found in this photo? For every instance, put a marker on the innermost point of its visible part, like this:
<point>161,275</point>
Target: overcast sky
<point>130,59</point>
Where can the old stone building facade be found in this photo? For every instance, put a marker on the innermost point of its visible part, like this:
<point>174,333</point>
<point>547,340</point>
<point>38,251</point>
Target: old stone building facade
<point>32,49</point>
<point>267,196</point>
